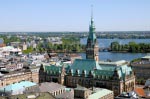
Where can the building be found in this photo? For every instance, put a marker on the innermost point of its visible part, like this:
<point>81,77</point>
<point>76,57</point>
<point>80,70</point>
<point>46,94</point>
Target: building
<point>142,68</point>
<point>94,93</point>
<point>147,88</point>
<point>53,88</point>
<point>44,95</point>
<point>18,76</point>
<point>116,76</point>
<point>34,73</point>
<point>68,94</point>
<point>71,57</point>
<point>92,48</point>
<point>10,50</point>
<point>24,46</point>
<point>100,93</point>
<point>137,93</point>
<point>16,88</point>
<point>57,90</point>
<point>14,66</point>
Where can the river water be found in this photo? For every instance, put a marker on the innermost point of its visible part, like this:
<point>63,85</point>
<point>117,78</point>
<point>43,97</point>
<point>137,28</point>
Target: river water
<point>116,56</point>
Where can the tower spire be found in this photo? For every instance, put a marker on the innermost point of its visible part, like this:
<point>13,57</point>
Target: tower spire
<point>91,11</point>
<point>92,14</point>
<point>92,49</point>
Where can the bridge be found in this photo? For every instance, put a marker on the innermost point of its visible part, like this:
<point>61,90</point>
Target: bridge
<point>104,49</point>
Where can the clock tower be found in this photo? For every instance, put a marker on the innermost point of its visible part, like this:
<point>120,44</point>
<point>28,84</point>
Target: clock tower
<point>92,48</point>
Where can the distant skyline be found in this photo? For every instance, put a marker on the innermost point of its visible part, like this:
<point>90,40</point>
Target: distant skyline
<point>74,15</point>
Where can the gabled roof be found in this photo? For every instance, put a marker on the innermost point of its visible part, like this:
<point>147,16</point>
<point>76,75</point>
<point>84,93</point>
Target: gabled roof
<point>84,64</point>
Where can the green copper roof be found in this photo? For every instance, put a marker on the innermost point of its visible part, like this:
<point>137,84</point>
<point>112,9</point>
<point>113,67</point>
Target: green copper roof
<point>104,72</point>
<point>52,69</point>
<point>107,67</point>
<point>108,70</point>
<point>99,70</point>
<point>84,64</point>
<point>92,35</point>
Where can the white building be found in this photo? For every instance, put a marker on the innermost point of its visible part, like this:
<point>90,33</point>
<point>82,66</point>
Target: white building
<point>7,50</point>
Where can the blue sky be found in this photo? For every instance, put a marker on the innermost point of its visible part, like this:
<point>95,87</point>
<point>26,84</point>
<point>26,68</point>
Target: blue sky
<point>74,15</point>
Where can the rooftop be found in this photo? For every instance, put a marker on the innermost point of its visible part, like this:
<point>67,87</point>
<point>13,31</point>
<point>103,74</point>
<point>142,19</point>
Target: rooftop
<point>140,92</point>
<point>80,88</point>
<point>17,86</point>
<point>99,93</point>
<point>50,87</point>
<point>45,95</point>
<point>84,64</point>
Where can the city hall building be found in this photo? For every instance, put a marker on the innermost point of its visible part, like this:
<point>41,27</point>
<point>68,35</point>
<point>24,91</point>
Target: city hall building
<point>91,72</point>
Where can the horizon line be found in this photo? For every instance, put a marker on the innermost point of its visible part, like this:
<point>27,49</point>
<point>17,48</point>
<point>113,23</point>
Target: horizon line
<point>81,31</point>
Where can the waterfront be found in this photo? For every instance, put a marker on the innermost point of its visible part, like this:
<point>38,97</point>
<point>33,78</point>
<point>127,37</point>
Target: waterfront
<point>116,56</point>
<point>107,42</point>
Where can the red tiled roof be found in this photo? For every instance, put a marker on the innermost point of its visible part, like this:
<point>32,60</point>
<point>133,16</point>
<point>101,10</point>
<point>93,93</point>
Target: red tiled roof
<point>139,91</point>
<point>2,45</point>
